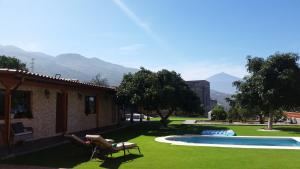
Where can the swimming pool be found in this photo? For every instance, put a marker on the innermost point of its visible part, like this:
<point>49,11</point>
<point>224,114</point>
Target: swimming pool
<point>235,141</point>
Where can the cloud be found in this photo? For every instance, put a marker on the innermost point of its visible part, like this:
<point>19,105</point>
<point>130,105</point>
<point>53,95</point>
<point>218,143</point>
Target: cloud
<point>132,47</point>
<point>140,23</point>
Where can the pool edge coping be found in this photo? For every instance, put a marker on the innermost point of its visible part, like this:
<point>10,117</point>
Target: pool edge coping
<point>164,140</point>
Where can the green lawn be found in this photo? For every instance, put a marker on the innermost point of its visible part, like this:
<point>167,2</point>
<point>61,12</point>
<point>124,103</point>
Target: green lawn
<point>163,155</point>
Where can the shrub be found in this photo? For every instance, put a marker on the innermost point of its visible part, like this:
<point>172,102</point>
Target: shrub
<point>218,113</point>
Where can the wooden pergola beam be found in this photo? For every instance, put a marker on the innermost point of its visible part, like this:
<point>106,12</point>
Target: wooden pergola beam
<point>65,110</point>
<point>7,110</point>
<point>97,110</point>
<point>10,84</point>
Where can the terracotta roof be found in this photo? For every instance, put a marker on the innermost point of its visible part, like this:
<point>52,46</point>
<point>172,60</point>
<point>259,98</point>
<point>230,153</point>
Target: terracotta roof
<point>292,114</point>
<point>37,76</point>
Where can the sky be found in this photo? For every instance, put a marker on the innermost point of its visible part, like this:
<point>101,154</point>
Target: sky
<point>197,38</point>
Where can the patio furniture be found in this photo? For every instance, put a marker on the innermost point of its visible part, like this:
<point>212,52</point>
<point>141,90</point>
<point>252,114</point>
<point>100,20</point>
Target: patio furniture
<point>84,143</point>
<point>75,139</point>
<point>105,147</point>
<point>21,133</point>
<point>78,141</point>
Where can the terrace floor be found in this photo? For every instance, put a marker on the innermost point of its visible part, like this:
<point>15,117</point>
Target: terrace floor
<point>6,166</point>
<point>41,144</point>
<point>163,155</point>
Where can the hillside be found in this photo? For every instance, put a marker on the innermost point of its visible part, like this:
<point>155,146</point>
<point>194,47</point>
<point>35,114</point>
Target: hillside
<point>220,97</point>
<point>73,66</point>
<point>222,82</point>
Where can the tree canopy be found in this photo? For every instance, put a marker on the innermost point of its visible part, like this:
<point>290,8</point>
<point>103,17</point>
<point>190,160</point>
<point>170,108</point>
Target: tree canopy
<point>218,113</point>
<point>272,84</point>
<point>99,80</point>
<point>12,63</point>
<point>164,90</point>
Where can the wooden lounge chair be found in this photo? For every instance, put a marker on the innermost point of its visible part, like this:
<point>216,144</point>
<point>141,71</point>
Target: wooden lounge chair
<point>103,146</point>
<point>85,144</point>
<point>78,141</point>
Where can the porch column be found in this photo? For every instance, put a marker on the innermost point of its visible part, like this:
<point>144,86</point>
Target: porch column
<point>65,110</point>
<point>11,84</point>
<point>7,110</point>
<point>97,110</point>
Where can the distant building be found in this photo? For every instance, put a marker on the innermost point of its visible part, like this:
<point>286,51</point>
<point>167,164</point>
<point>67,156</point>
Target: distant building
<point>202,89</point>
<point>292,117</point>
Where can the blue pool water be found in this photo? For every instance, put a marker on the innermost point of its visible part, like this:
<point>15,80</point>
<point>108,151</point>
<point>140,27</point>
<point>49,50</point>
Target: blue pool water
<point>253,141</point>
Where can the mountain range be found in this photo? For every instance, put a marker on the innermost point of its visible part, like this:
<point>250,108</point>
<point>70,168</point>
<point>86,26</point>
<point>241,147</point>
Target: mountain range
<point>222,82</point>
<point>221,87</point>
<point>76,66</point>
<point>69,65</point>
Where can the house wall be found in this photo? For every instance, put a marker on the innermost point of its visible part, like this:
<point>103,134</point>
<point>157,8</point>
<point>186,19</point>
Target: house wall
<point>44,112</point>
<point>107,110</point>
<point>77,119</point>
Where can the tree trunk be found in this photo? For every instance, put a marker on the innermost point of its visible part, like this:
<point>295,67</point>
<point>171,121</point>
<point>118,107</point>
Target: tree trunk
<point>148,116</point>
<point>261,119</point>
<point>169,114</point>
<point>131,117</point>
<point>141,117</point>
<point>160,115</point>
<point>270,121</point>
<point>163,119</point>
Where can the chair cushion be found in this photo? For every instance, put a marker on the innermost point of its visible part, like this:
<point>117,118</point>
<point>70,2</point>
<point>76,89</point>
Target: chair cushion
<point>127,145</point>
<point>96,136</point>
<point>100,141</point>
<point>110,140</point>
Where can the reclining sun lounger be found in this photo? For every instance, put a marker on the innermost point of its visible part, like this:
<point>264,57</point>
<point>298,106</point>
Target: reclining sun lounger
<point>85,144</point>
<point>103,146</point>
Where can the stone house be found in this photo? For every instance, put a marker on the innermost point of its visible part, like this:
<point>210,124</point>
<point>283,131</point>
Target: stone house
<point>52,106</point>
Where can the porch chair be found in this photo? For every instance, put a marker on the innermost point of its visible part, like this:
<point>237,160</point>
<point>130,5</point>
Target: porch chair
<point>103,146</point>
<point>21,133</point>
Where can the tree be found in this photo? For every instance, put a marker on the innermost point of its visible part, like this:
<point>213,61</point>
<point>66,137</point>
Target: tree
<point>12,63</point>
<point>218,113</point>
<point>272,84</point>
<point>174,94</point>
<point>164,90</point>
<point>245,104</point>
<point>99,80</point>
<point>138,90</point>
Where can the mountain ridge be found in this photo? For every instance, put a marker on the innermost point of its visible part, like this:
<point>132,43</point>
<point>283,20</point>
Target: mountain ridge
<point>222,82</point>
<point>69,65</point>
<point>221,87</point>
